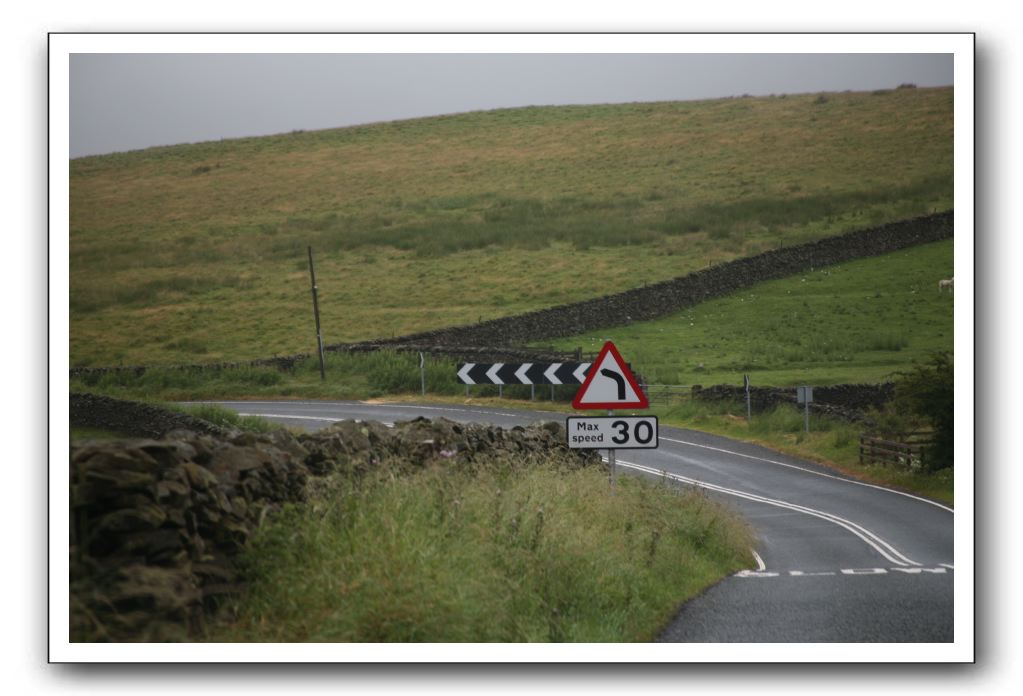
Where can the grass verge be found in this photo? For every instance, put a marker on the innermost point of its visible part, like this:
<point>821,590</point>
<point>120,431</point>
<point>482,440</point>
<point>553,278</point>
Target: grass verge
<point>509,553</point>
<point>831,442</point>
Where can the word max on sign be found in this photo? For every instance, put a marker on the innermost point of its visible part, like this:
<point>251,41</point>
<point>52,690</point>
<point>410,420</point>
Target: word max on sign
<point>522,373</point>
<point>624,432</point>
<point>610,384</point>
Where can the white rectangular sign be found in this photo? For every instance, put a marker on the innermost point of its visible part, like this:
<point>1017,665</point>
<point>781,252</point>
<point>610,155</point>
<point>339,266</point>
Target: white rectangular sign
<point>804,395</point>
<point>612,432</point>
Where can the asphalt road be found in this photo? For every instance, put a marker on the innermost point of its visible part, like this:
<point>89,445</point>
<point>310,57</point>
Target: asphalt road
<point>836,560</point>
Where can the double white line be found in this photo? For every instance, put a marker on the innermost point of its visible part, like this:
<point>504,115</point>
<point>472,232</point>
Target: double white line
<point>874,541</point>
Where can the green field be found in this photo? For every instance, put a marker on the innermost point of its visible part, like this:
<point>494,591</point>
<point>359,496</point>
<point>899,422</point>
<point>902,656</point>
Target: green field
<point>856,322</point>
<point>196,253</point>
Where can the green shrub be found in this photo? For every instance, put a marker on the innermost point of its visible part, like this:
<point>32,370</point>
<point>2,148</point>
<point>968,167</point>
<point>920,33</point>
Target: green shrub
<point>928,390</point>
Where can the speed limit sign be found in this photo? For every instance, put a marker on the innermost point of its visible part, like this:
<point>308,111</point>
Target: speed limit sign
<point>612,432</point>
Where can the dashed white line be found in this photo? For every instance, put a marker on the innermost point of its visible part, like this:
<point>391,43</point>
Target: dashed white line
<point>835,573</point>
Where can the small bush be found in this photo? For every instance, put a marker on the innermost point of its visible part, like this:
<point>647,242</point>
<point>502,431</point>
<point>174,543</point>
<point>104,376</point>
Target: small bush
<point>928,390</point>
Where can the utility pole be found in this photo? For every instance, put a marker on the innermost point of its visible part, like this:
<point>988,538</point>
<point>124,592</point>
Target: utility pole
<point>316,312</point>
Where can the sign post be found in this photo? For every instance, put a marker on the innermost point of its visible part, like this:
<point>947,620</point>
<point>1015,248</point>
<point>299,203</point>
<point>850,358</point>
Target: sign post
<point>804,395</point>
<point>610,384</point>
<point>749,416</point>
<point>422,373</point>
<point>611,459</point>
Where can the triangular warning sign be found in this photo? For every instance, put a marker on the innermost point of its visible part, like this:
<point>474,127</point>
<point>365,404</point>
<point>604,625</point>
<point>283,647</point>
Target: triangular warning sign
<point>610,384</point>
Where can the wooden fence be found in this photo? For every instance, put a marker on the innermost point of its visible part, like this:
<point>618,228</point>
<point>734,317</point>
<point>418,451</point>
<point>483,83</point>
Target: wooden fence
<point>905,450</point>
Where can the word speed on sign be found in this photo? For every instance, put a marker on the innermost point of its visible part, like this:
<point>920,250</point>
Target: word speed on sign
<point>612,432</point>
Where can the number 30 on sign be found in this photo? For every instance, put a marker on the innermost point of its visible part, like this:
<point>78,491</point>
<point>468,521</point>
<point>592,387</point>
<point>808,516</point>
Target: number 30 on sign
<point>612,432</point>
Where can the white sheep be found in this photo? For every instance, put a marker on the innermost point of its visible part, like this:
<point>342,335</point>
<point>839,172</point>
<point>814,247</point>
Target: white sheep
<point>946,284</point>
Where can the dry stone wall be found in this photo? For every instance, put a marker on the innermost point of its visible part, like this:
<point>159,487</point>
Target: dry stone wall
<point>132,417</point>
<point>664,298</point>
<point>847,401</point>
<point>156,524</point>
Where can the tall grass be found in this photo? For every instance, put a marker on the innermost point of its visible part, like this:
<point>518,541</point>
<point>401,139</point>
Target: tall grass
<point>511,553</point>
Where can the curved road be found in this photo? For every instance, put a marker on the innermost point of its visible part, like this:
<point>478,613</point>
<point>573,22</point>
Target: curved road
<point>836,559</point>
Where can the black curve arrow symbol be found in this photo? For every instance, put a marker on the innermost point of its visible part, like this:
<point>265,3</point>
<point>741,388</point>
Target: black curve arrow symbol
<point>619,380</point>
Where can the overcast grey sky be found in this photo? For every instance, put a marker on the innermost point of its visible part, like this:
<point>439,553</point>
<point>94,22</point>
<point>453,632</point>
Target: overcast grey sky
<point>130,101</point>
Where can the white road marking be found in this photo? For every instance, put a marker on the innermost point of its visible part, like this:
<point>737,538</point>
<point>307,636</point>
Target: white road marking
<point>809,471</point>
<point>799,573</point>
<point>759,560</point>
<point>832,573</point>
<point>871,539</point>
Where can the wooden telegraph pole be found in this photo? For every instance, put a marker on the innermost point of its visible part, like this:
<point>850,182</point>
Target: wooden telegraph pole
<point>316,312</point>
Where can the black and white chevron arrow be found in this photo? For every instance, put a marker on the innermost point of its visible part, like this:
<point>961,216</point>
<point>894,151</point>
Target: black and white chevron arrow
<point>523,373</point>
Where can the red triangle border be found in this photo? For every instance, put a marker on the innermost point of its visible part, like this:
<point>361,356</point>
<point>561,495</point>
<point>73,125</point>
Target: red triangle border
<point>609,347</point>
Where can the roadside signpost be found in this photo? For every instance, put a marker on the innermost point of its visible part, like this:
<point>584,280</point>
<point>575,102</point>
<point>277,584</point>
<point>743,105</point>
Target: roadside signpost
<point>610,385</point>
<point>804,395</point>
<point>749,412</point>
<point>619,432</point>
<point>523,373</point>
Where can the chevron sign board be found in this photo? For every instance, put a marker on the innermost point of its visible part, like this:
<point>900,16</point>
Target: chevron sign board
<point>523,373</point>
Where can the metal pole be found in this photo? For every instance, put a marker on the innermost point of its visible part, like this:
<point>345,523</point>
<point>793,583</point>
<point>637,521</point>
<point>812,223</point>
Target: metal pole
<point>500,390</point>
<point>552,392</point>
<point>316,312</point>
<point>749,416</point>
<point>611,460</point>
<point>532,392</point>
<point>806,414</point>
<point>422,373</point>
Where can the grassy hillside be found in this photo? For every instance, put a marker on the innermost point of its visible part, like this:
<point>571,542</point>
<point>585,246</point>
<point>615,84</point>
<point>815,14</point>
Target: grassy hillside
<point>197,252</point>
<point>854,322</point>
